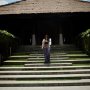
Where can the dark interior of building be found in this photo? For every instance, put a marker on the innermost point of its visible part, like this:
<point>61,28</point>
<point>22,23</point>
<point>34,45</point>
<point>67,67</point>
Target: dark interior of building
<point>24,25</point>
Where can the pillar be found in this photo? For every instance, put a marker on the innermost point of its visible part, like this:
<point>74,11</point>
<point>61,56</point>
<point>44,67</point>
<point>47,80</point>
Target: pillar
<point>60,39</point>
<point>33,40</point>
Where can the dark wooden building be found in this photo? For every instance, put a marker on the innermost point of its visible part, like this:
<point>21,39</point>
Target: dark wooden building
<point>59,18</point>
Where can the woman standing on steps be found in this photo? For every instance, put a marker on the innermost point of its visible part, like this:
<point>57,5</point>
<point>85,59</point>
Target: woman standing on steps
<point>46,42</point>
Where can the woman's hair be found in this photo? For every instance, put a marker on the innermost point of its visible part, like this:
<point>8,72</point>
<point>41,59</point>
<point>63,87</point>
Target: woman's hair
<point>46,37</point>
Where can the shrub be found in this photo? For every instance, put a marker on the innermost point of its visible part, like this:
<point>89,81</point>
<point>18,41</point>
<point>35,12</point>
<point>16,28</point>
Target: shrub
<point>86,40</point>
<point>7,40</point>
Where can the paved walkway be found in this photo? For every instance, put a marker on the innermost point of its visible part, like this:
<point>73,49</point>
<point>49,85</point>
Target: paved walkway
<point>47,88</point>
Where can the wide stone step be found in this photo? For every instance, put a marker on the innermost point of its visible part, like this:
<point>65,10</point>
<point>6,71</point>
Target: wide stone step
<point>40,72</point>
<point>59,59</point>
<point>53,47</point>
<point>36,63</point>
<point>38,54</point>
<point>50,58</point>
<point>42,61</point>
<point>58,54</point>
<point>51,54</point>
<point>46,68</point>
<point>10,83</point>
<point>34,57</point>
<point>59,51</point>
<point>52,64</point>
<point>44,77</point>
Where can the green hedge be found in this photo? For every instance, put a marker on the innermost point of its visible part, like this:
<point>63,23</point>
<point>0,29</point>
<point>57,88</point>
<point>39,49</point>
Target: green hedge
<point>83,41</point>
<point>86,40</point>
<point>7,42</point>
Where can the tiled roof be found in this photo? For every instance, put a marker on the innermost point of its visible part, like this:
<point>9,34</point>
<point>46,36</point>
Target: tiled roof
<point>5,2</point>
<point>45,6</point>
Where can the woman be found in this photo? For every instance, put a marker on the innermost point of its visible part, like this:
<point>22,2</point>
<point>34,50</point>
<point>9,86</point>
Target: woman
<point>46,42</point>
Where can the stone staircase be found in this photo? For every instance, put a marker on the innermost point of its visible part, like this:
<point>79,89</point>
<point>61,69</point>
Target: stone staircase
<point>68,67</point>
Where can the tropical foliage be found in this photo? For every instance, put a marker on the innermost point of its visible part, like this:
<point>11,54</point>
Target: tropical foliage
<point>7,42</point>
<point>84,41</point>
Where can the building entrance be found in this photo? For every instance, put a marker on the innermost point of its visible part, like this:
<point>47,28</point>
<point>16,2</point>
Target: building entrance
<point>61,27</point>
